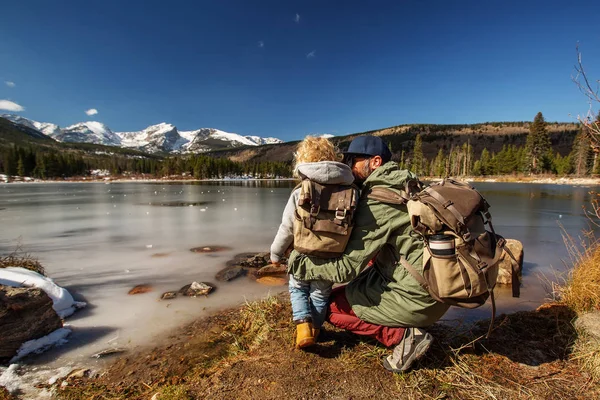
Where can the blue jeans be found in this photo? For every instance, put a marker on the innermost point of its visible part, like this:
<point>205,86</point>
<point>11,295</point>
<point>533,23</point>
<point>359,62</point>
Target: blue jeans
<point>309,300</point>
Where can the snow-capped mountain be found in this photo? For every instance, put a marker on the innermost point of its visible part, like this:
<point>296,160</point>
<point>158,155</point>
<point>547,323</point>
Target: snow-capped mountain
<point>155,138</point>
<point>161,137</point>
<point>46,128</point>
<point>88,132</point>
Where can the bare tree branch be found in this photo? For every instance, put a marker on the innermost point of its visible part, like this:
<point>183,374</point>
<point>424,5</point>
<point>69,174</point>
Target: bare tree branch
<point>590,120</point>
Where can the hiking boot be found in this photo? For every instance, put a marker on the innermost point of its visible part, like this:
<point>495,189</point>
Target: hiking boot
<point>414,344</point>
<point>304,335</point>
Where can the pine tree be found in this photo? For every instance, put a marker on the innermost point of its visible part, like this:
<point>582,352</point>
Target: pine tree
<point>581,154</point>
<point>20,167</point>
<point>416,164</point>
<point>439,168</point>
<point>537,145</point>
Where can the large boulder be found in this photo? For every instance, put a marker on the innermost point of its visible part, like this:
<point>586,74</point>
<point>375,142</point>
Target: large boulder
<point>505,263</point>
<point>25,314</point>
<point>589,324</point>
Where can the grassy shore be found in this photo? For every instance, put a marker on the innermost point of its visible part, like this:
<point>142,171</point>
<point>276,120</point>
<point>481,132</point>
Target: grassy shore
<point>248,353</point>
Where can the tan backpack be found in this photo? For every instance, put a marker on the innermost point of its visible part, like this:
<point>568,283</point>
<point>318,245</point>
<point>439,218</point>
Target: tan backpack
<point>324,218</point>
<point>460,257</point>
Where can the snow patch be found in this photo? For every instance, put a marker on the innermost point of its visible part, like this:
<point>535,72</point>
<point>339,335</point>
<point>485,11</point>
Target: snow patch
<point>37,346</point>
<point>64,305</point>
<point>10,379</point>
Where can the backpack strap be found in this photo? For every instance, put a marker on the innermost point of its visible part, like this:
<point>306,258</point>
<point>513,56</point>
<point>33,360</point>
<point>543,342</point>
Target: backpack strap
<point>387,195</point>
<point>404,262</point>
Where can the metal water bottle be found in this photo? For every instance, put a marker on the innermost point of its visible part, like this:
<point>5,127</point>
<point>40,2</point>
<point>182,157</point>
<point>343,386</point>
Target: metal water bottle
<point>441,245</point>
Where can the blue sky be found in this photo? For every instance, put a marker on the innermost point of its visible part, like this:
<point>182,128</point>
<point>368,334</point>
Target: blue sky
<point>289,68</point>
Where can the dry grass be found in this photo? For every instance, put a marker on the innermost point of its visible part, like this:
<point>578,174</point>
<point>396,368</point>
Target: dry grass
<point>256,321</point>
<point>527,356</point>
<point>19,258</point>
<point>582,290</point>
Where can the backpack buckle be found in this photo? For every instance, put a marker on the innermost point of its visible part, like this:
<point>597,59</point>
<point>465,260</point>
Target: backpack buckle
<point>340,214</point>
<point>447,204</point>
<point>314,210</point>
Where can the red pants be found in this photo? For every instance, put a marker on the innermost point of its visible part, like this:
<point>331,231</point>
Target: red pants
<point>341,315</point>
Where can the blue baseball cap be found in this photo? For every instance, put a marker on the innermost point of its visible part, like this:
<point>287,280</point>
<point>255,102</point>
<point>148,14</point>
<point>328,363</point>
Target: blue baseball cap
<point>369,146</point>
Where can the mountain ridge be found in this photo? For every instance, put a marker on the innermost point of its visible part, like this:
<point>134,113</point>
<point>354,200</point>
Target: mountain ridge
<point>158,138</point>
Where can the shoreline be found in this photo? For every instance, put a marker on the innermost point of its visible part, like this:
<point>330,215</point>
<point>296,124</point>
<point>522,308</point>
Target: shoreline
<point>242,353</point>
<point>575,181</point>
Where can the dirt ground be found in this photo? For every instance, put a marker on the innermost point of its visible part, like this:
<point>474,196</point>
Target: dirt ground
<point>248,353</point>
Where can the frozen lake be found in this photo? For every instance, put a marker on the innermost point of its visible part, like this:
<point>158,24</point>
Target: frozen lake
<point>99,240</point>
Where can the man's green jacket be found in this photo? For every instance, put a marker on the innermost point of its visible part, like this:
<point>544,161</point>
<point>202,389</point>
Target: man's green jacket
<point>385,294</point>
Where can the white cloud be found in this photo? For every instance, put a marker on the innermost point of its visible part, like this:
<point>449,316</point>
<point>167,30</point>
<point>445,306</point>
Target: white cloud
<point>261,44</point>
<point>10,106</point>
<point>92,111</point>
<point>297,18</point>
<point>312,54</point>
<point>10,83</point>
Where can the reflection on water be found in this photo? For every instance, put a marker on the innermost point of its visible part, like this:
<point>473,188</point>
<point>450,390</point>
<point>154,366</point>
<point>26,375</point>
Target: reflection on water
<point>99,240</point>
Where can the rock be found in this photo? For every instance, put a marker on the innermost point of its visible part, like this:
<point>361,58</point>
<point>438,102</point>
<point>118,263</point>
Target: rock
<point>79,373</point>
<point>235,261</point>
<point>272,281</point>
<point>257,261</point>
<point>160,255</point>
<point>589,324</point>
<point>140,289</point>
<point>107,352</point>
<point>25,314</point>
<point>505,263</point>
<point>230,273</point>
<point>168,295</point>
<point>196,289</point>
<point>209,249</point>
<point>271,270</point>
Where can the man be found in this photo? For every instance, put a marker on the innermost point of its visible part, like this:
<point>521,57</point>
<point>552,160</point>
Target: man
<point>384,302</point>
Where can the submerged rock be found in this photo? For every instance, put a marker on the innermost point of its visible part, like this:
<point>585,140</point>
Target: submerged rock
<point>108,352</point>
<point>145,288</point>
<point>271,270</point>
<point>25,314</point>
<point>230,273</point>
<point>505,263</point>
<point>168,295</point>
<point>160,255</point>
<point>272,281</point>
<point>179,203</point>
<point>195,289</point>
<point>209,249</point>
<point>257,261</point>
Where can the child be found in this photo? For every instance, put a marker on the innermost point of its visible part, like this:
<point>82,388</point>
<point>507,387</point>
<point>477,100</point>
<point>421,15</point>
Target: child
<point>318,160</point>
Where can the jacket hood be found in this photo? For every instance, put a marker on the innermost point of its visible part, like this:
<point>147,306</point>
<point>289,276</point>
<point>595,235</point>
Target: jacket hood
<point>389,175</point>
<point>326,172</point>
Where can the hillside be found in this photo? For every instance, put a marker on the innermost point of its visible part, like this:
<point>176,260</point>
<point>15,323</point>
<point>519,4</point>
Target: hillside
<point>491,135</point>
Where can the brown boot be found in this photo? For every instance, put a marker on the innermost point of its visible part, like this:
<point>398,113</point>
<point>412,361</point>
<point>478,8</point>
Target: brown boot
<point>304,335</point>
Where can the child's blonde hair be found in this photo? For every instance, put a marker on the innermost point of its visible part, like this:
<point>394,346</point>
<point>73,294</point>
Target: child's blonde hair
<point>315,149</point>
